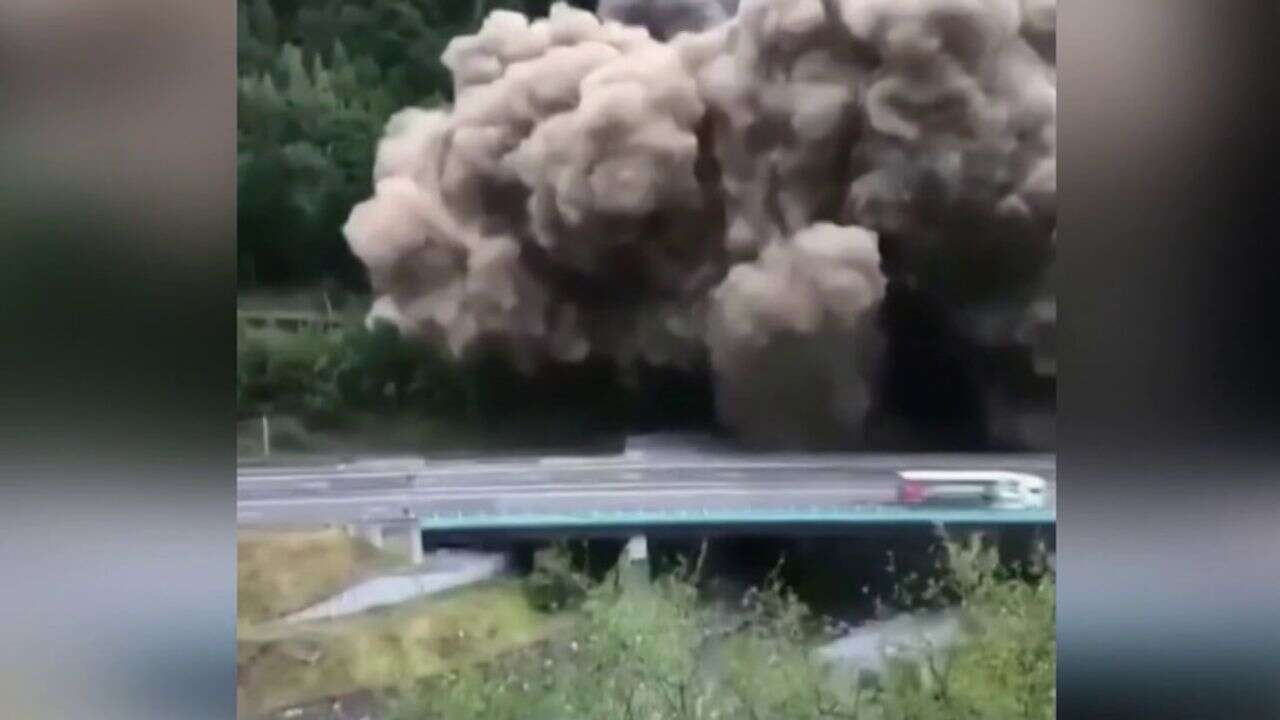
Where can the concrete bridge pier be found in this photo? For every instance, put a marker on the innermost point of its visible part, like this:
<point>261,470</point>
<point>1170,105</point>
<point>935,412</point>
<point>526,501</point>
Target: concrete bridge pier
<point>401,536</point>
<point>634,569</point>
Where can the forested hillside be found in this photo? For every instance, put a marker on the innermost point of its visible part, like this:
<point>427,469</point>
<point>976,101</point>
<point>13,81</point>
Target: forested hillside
<point>317,81</point>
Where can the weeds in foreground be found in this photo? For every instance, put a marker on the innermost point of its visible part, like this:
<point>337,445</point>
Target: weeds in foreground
<point>657,652</point>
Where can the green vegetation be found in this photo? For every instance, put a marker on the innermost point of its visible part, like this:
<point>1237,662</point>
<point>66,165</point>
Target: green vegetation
<point>318,80</point>
<point>554,584</point>
<point>286,664</point>
<point>281,664</point>
<point>660,652</point>
<point>315,373</point>
<point>371,390</point>
<point>557,645</point>
<point>280,572</point>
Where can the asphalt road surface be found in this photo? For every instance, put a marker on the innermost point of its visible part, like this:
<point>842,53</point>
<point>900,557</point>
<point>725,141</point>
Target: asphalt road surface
<point>656,478</point>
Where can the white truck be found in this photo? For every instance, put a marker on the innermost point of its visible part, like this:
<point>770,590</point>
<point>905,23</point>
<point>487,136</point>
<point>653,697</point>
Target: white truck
<point>999,489</point>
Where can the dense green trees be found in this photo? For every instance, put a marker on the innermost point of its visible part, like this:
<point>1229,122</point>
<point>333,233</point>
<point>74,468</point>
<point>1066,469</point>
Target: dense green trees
<point>312,374</point>
<point>662,652</point>
<point>318,80</point>
<point>309,120</point>
<point>327,379</point>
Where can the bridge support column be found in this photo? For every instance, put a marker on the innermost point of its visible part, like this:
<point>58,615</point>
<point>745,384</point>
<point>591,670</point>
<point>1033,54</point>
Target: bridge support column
<point>375,534</point>
<point>634,564</point>
<point>416,553</point>
<point>372,534</point>
<point>637,549</point>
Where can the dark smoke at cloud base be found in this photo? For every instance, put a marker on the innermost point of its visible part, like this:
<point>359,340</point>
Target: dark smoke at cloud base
<point>740,197</point>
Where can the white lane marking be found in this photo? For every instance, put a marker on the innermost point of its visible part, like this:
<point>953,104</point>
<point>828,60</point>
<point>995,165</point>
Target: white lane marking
<point>353,499</point>
<point>464,472</point>
<point>622,480</point>
<point>629,455</point>
<point>611,479</point>
<point>1021,460</point>
<point>576,461</point>
<point>443,472</point>
<point>848,466</point>
<point>608,487</point>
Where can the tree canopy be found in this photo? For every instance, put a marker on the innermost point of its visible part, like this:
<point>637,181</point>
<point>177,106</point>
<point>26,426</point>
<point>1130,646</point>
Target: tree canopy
<point>317,81</point>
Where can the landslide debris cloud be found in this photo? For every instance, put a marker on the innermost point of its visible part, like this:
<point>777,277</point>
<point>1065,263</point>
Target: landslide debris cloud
<point>738,196</point>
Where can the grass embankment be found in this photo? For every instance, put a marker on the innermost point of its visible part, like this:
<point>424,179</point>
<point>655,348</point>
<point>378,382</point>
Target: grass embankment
<point>284,571</point>
<point>282,664</point>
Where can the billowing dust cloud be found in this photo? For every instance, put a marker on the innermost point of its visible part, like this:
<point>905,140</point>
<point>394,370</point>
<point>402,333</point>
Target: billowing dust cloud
<point>738,195</point>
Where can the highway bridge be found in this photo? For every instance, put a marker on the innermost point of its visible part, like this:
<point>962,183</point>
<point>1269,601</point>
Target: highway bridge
<point>648,486</point>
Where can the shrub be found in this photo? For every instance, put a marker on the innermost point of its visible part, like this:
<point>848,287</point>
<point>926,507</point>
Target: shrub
<point>657,651</point>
